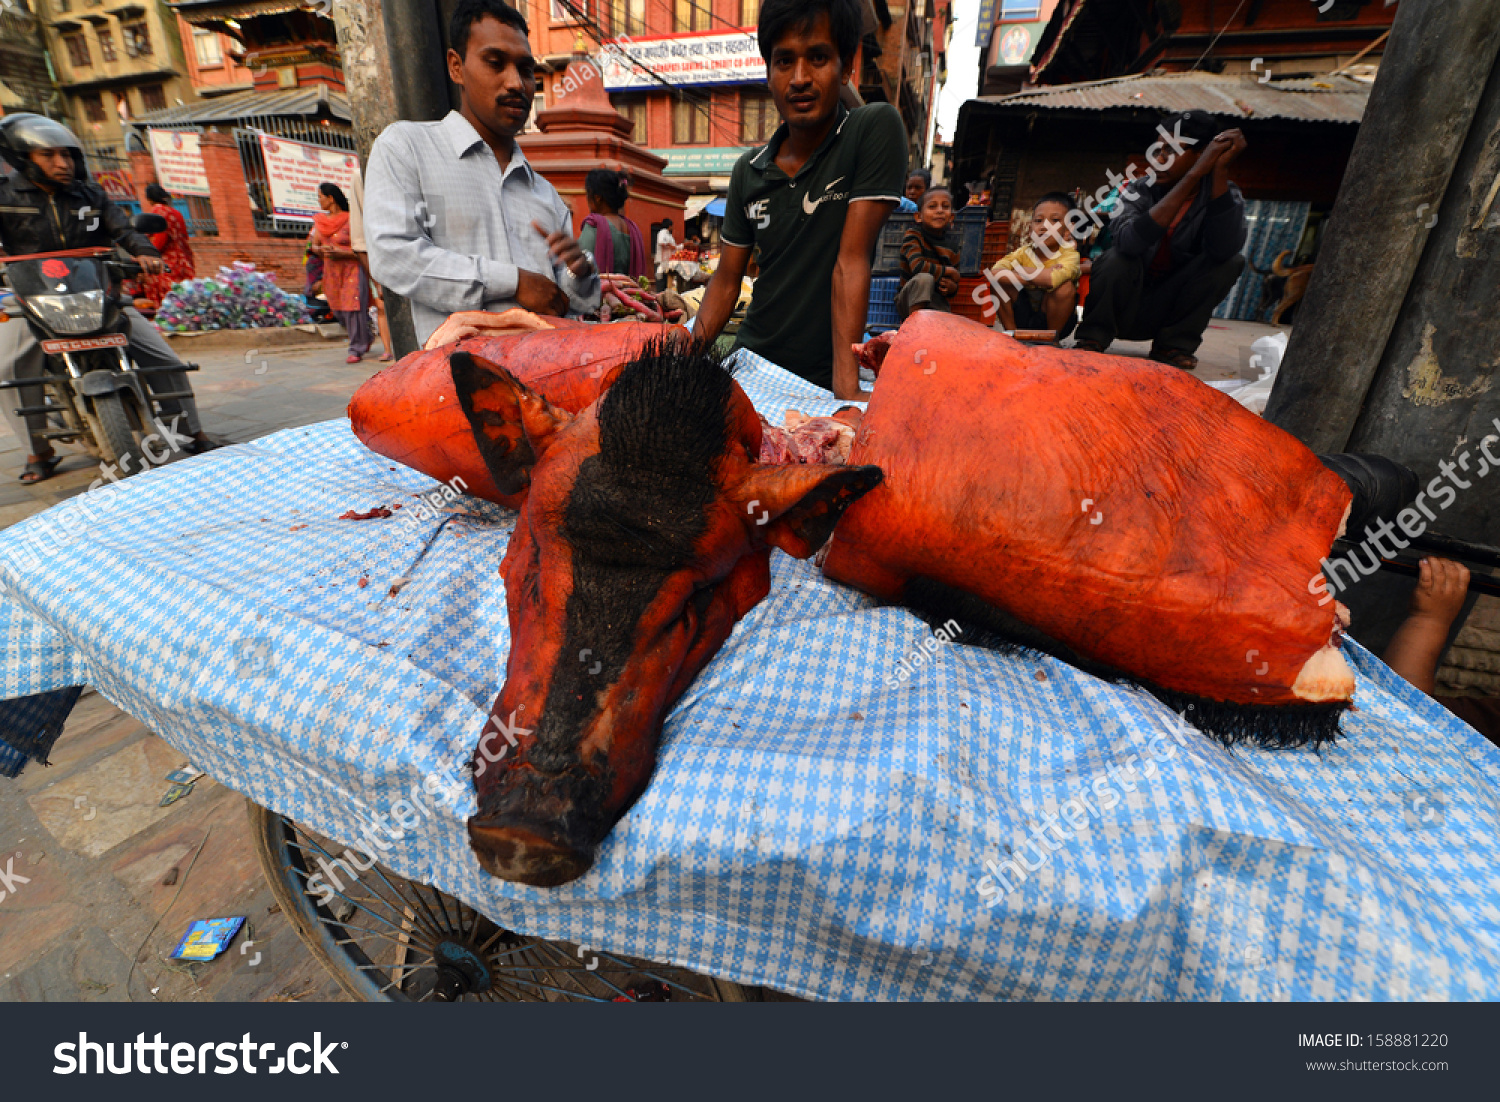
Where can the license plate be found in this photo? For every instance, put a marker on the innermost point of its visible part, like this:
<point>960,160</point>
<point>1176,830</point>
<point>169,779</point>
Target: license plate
<point>114,340</point>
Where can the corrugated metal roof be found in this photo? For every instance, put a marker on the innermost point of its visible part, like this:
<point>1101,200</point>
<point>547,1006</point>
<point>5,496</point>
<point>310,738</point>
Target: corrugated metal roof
<point>1326,99</point>
<point>238,105</point>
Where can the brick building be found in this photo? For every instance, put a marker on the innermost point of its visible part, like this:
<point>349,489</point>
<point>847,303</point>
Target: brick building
<point>213,60</point>
<point>259,67</point>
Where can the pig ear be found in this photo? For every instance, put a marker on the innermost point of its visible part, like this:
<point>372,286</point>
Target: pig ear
<point>797,505</point>
<point>512,424</point>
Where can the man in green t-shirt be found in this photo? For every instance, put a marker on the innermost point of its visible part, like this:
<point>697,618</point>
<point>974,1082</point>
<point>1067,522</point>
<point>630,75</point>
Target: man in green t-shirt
<point>811,201</point>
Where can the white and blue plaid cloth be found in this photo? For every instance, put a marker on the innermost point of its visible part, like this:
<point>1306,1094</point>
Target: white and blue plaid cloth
<point>809,826</point>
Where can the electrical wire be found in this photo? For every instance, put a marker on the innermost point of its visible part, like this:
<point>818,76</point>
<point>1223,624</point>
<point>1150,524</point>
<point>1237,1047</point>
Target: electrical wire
<point>1215,41</point>
<point>692,99</point>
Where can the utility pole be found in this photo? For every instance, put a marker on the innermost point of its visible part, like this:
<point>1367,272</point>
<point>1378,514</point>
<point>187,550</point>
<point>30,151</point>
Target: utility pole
<point>1398,339</point>
<point>1397,342</point>
<point>409,82</point>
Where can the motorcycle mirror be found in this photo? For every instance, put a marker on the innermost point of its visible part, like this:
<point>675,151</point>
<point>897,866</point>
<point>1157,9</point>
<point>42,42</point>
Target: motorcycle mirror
<point>150,223</point>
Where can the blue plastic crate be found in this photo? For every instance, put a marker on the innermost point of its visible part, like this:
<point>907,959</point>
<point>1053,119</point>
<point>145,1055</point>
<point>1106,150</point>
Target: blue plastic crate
<point>882,313</point>
<point>965,236</point>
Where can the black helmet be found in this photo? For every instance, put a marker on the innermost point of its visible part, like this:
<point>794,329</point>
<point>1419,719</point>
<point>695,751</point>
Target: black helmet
<point>24,132</point>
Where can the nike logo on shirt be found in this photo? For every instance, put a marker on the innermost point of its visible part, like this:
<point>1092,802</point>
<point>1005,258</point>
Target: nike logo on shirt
<point>810,205</point>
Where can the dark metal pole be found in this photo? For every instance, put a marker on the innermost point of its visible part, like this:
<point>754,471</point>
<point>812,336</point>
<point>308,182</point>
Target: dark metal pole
<point>419,74</point>
<point>1431,78</point>
<point>393,54</point>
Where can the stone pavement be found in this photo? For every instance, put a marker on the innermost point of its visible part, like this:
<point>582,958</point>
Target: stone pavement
<point>96,919</point>
<point>87,831</point>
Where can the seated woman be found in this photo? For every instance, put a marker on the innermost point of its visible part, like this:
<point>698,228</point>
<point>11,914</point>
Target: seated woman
<point>613,240</point>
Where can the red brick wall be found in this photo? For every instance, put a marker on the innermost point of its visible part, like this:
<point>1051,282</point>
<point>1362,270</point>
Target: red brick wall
<point>237,239</point>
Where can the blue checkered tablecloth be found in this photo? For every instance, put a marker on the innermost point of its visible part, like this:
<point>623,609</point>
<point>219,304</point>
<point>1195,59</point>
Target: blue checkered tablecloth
<point>810,826</point>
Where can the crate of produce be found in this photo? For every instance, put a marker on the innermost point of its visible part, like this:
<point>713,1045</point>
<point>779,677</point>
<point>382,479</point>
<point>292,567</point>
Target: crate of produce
<point>882,313</point>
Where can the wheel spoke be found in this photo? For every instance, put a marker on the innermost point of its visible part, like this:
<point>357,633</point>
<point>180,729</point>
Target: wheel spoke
<point>396,911</point>
<point>408,926</point>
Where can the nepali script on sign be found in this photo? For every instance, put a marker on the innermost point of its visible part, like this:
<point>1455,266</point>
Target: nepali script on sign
<point>295,169</point>
<point>683,60</point>
<point>178,161</point>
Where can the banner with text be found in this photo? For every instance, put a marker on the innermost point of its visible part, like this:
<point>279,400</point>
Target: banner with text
<point>295,169</point>
<point>682,60</point>
<point>179,161</point>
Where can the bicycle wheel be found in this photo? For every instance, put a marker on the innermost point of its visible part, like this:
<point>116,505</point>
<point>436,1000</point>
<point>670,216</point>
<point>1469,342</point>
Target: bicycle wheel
<point>389,939</point>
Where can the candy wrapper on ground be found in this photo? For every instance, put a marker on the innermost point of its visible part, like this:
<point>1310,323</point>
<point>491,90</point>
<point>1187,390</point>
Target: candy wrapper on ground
<point>207,938</point>
<point>237,297</point>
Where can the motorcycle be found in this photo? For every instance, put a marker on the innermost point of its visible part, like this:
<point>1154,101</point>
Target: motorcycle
<point>95,395</point>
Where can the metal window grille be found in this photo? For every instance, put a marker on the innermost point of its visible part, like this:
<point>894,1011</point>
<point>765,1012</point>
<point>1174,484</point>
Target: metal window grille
<point>200,217</point>
<point>336,135</point>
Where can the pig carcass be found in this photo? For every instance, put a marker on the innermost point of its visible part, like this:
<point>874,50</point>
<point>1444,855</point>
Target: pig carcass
<point>644,534</point>
<point>1143,520</point>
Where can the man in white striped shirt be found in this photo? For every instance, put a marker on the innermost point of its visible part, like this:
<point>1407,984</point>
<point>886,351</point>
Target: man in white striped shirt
<point>455,216</point>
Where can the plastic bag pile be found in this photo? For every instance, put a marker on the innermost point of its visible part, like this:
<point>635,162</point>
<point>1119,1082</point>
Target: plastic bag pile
<point>236,297</point>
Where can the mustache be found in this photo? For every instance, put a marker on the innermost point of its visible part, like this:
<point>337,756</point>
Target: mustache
<point>512,101</point>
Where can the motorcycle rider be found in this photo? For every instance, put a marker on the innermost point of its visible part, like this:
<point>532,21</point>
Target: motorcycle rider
<point>48,204</point>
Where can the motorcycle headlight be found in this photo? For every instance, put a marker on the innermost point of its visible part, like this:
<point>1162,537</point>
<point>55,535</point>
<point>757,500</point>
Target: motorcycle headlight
<point>81,312</point>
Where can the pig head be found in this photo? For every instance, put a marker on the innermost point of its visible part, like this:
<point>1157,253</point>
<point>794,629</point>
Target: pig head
<point>644,535</point>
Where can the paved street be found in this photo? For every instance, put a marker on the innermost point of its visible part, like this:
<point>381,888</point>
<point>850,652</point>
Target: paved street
<point>87,831</point>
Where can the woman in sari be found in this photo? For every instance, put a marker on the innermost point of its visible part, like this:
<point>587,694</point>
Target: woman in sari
<point>344,283</point>
<point>613,240</point>
<point>173,246</point>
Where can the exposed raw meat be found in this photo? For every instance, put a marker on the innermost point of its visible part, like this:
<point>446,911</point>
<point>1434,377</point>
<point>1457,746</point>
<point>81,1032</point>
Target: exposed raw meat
<point>470,323</point>
<point>1135,515</point>
<point>805,439</point>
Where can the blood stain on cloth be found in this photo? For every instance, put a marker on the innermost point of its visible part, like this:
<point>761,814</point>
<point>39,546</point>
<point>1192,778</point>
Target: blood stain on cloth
<point>378,511</point>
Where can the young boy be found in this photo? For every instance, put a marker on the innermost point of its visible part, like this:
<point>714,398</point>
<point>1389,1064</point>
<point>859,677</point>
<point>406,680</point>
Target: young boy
<point>929,270</point>
<point>1036,287</point>
<point>810,202</point>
